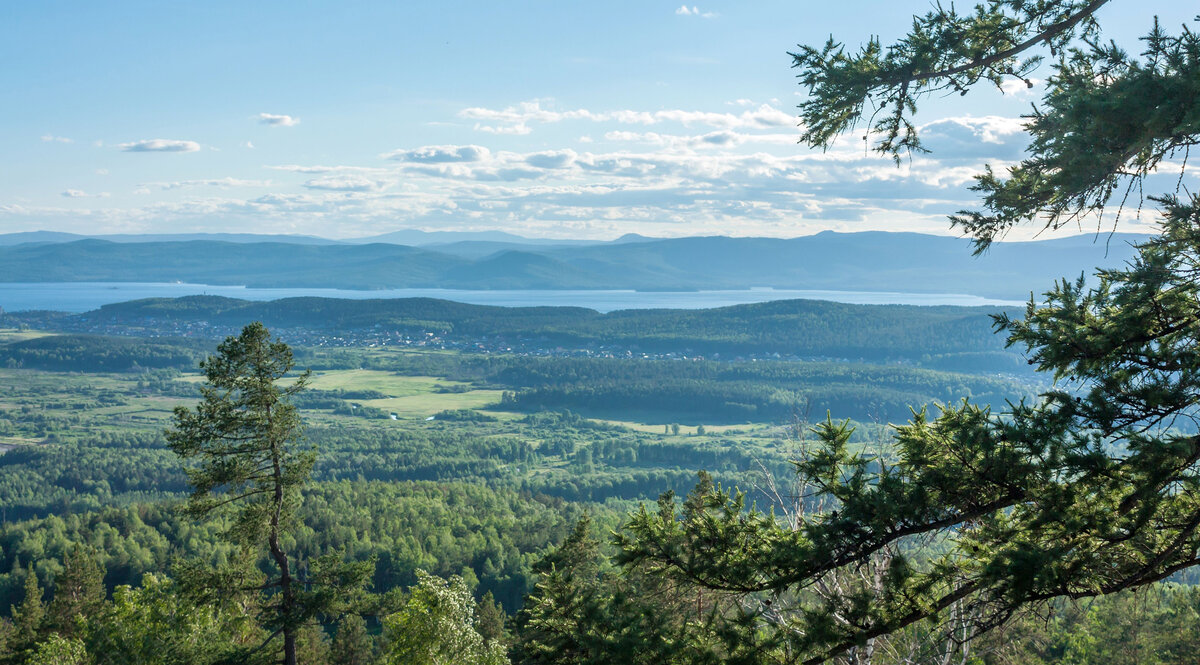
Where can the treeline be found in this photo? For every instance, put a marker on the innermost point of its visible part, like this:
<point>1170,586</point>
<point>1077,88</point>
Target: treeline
<point>805,328</point>
<point>702,391</point>
<point>492,535</point>
<point>94,353</point>
<point>574,459</point>
<point>576,606</point>
<point>691,391</point>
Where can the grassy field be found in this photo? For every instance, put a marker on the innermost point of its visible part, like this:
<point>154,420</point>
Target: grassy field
<point>388,383</point>
<point>409,397</point>
<point>10,335</point>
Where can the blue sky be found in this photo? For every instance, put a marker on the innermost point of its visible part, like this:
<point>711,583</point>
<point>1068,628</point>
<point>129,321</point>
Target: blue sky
<point>557,119</point>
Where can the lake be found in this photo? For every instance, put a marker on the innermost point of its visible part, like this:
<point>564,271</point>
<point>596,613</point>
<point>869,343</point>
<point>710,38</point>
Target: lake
<point>86,296</point>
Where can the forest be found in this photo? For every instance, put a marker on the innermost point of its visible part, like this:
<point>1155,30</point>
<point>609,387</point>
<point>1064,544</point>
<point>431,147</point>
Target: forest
<point>420,482</point>
<point>462,466</point>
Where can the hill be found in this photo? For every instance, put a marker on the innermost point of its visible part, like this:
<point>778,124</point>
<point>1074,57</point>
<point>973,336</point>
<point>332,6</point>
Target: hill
<point>947,337</point>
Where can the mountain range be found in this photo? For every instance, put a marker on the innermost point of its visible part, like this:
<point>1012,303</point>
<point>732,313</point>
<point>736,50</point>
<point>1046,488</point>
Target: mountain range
<point>866,261</point>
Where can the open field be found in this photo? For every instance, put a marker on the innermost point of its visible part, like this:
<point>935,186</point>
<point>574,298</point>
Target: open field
<point>388,383</point>
<point>10,335</point>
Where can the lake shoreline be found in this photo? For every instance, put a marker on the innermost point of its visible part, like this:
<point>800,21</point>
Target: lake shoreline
<point>80,297</point>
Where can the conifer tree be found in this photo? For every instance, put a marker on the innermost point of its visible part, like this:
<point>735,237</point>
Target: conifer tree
<point>352,645</point>
<point>78,591</point>
<point>29,616</point>
<point>490,619</point>
<point>1091,489</point>
<point>245,440</point>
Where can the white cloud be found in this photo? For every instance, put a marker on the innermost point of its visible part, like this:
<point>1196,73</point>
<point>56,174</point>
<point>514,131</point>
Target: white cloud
<point>50,138</point>
<point>440,154</point>
<point>1020,88</point>
<point>975,137</point>
<point>207,182</point>
<point>717,139</point>
<point>684,10</point>
<point>519,129</point>
<point>319,168</point>
<point>249,144</point>
<point>344,183</point>
<point>160,145</point>
<point>80,194</point>
<point>278,120</point>
<point>551,159</point>
<point>516,119</point>
<point>735,170</point>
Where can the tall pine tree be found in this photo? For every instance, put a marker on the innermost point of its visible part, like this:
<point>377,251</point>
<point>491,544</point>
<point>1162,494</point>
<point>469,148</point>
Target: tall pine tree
<point>244,440</point>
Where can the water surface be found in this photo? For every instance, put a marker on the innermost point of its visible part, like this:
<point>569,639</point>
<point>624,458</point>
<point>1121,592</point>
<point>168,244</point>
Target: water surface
<point>86,296</point>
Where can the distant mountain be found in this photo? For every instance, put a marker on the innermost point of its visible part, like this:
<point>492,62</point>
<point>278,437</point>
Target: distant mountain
<point>273,264</point>
<point>634,237</point>
<point>477,249</point>
<point>37,236</point>
<point>8,239</point>
<point>418,238</point>
<point>871,261</point>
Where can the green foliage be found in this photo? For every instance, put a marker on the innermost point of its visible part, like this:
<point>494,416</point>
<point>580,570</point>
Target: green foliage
<point>92,353</point>
<point>245,438</point>
<point>976,516</point>
<point>1094,135</point>
<point>803,328</point>
<point>583,611</point>
<point>945,52</point>
<point>27,617</point>
<point>58,650</point>
<point>78,591</point>
<point>658,390</point>
<point>1154,626</point>
<point>352,645</point>
<point>158,623</point>
<point>436,626</point>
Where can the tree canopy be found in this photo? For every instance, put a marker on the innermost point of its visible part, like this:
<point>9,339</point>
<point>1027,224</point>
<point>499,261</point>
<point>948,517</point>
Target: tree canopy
<point>975,515</point>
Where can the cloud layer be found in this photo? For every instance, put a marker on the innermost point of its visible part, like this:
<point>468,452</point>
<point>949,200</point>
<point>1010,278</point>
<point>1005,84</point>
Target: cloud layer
<point>516,168</point>
<point>160,145</point>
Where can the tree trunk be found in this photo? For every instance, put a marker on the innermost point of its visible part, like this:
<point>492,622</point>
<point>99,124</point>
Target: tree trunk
<point>288,604</point>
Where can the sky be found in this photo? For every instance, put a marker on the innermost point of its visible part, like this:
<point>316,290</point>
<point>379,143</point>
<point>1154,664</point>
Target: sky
<point>559,119</point>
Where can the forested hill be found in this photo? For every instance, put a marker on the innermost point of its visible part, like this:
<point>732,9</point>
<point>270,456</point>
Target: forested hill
<point>871,261</point>
<point>936,336</point>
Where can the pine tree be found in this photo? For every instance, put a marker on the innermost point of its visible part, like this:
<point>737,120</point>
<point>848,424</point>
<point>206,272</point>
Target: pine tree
<point>352,645</point>
<point>490,619</point>
<point>29,616</point>
<point>244,437</point>
<point>1090,490</point>
<point>78,591</point>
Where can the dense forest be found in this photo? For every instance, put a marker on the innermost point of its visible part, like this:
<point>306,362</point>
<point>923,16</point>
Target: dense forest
<point>490,495</point>
<point>415,482</point>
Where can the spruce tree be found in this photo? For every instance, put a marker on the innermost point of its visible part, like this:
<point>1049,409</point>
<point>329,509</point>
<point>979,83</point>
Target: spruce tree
<point>352,645</point>
<point>29,616</point>
<point>78,591</point>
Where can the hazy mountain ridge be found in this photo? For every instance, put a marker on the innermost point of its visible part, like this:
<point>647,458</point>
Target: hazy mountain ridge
<point>868,261</point>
